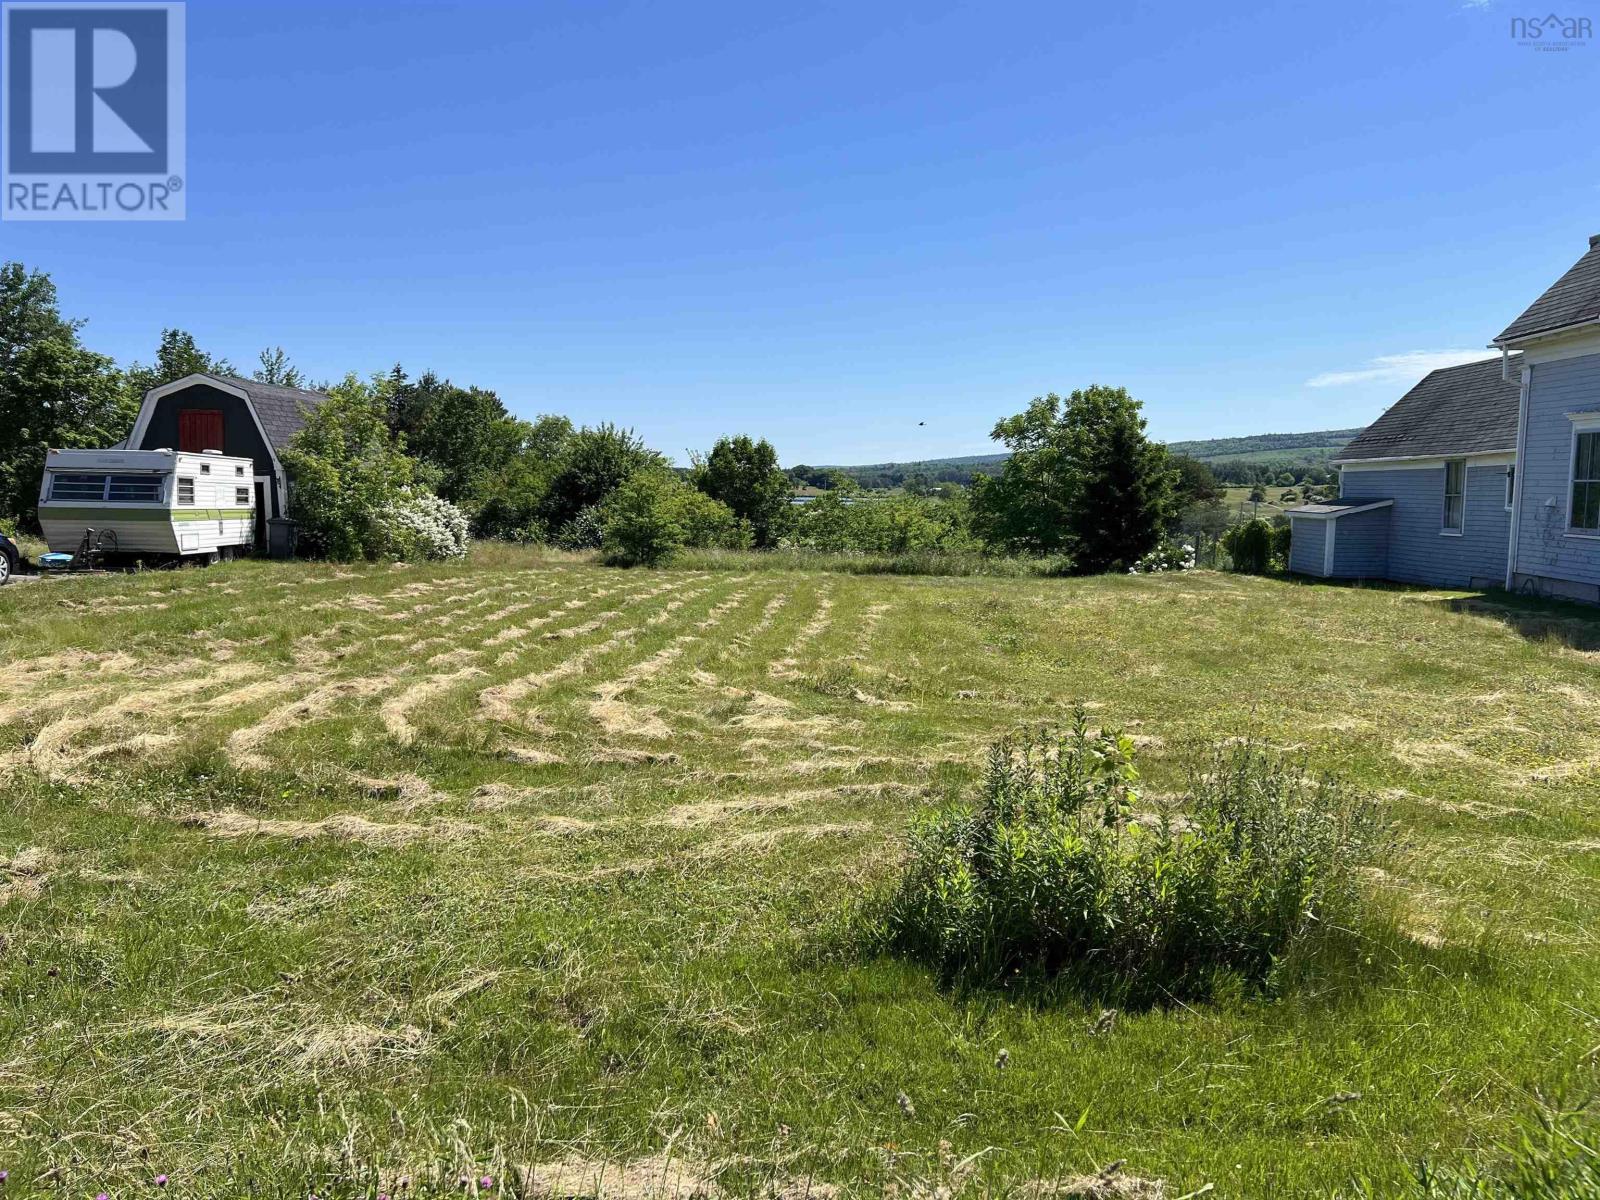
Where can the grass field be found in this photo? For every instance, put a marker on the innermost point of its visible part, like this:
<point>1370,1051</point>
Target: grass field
<point>314,877</point>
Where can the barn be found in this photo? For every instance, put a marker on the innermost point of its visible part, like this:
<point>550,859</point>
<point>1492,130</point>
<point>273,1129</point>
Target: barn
<point>241,418</point>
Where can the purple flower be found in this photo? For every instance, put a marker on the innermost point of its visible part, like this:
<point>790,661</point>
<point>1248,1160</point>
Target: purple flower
<point>102,1196</point>
<point>161,1181</point>
<point>4,1175</point>
<point>486,1183</point>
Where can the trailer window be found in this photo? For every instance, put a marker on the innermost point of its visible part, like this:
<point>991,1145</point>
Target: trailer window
<point>185,490</point>
<point>131,489</point>
<point>125,489</point>
<point>238,471</point>
<point>241,496</point>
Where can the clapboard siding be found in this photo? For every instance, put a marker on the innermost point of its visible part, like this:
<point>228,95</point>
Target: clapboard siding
<point>1361,545</point>
<point>1306,545</point>
<point>1418,552</point>
<point>1544,549</point>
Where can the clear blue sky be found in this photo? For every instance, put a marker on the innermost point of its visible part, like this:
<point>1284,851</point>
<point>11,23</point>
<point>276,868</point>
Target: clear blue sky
<point>826,225</point>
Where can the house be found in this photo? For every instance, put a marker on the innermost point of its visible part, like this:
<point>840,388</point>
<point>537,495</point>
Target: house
<point>241,418</point>
<point>1483,475</point>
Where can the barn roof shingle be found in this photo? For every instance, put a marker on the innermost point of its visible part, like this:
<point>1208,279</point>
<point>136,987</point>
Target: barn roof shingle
<point>1468,409</point>
<point>281,410</point>
<point>1571,300</point>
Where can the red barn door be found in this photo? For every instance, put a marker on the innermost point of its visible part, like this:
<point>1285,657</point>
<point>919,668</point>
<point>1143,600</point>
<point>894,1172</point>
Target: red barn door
<point>199,430</point>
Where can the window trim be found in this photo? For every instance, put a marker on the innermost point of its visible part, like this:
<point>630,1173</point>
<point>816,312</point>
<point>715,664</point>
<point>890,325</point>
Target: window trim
<point>1580,430</point>
<point>1446,530</point>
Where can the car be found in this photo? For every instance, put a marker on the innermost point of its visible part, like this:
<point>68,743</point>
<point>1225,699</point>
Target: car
<point>10,559</point>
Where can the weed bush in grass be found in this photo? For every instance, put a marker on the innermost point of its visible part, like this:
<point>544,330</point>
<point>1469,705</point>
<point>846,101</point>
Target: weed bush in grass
<point>1556,1156</point>
<point>1060,870</point>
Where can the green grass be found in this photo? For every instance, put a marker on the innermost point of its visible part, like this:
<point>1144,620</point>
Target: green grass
<point>292,904</point>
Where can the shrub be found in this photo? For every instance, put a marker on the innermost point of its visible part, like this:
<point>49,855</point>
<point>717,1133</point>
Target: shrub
<point>1057,874</point>
<point>655,514</point>
<point>419,525</point>
<point>1169,556</point>
<point>583,532</point>
<point>1281,535</point>
<point>1250,546</point>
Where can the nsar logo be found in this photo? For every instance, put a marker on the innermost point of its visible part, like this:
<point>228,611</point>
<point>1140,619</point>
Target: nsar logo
<point>93,121</point>
<point>1551,32</point>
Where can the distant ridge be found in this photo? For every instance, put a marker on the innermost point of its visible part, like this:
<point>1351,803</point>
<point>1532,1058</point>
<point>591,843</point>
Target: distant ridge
<point>1277,451</point>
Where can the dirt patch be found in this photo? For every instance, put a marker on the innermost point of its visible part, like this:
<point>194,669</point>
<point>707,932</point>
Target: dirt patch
<point>659,1178</point>
<point>343,827</point>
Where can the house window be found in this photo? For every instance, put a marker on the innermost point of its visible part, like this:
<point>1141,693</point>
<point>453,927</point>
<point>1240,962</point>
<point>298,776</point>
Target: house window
<point>1586,481</point>
<point>1455,494</point>
<point>241,496</point>
<point>185,491</point>
<point>1511,487</point>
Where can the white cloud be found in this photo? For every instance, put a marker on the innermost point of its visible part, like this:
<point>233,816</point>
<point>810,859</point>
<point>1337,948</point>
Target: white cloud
<point>1400,368</point>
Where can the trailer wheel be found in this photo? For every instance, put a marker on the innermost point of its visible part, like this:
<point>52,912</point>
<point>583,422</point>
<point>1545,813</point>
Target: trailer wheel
<point>5,568</point>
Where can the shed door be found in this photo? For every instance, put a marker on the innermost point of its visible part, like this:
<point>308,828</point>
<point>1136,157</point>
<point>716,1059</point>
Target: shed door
<point>199,430</point>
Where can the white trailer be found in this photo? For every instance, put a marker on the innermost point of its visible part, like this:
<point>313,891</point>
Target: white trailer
<point>153,502</point>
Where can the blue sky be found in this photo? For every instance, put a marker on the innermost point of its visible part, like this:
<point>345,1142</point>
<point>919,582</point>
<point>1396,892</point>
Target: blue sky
<point>825,223</point>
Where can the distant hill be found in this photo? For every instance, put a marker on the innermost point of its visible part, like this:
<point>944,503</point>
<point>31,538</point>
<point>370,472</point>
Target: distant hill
<point>1263,447</point>
<point>1236,459</point>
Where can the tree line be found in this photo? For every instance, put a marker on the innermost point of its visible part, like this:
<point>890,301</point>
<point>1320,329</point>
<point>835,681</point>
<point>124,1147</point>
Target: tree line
<point>396,465</point>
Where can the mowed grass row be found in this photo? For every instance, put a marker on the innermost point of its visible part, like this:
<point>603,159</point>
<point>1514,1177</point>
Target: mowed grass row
<point>316,876</point>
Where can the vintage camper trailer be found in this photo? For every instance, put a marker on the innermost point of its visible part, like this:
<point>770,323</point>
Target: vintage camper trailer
<point>149,502</point>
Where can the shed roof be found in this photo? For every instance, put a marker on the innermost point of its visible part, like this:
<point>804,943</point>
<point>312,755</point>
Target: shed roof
<point>1571,300</point>
<point>1336,508</point>
<point>1468,409</point>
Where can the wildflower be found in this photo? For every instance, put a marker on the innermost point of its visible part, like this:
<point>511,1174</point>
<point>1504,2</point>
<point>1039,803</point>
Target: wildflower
<point>161,1181</point>
<point>102,1196</point>
<point>486,1183</point>
<point>1003,1059</point>
<point>904,1101</point>
<point>4,1175</point>
<point>464,1182</point>
<point>403,1182</point>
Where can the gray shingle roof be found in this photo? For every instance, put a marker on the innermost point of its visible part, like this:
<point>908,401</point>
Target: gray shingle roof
<point>1455,410</point>
<point>281,409</point>
<point>1570,300</point>
<point>1335,508</point>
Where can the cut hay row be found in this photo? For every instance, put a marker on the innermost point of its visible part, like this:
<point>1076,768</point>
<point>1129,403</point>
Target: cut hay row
<point>501,702</point>
<point>787,666</point>
<point>617,716</point>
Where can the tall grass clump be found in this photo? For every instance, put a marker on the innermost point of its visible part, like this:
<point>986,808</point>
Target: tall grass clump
<point>1060,870</point>
<point>1554,1156</point>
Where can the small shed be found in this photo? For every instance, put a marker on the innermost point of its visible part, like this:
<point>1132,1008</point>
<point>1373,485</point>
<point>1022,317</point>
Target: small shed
<point>1340,539</point>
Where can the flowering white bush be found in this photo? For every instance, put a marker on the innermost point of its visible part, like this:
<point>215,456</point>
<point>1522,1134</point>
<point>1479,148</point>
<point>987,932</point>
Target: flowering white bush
<point>1169,556</point>
<point>421,525</point>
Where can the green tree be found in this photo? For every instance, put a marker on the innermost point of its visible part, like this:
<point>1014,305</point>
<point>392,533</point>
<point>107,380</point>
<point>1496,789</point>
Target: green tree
<point>53,391</point>
<point>1082,478</point>
<point>744,475</point>
<point>177,356</point>
<point>594,463</point>
<point>654,514</point>
<point>276,368</point>
<point>1195,481</point>
<point>348,471</point>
